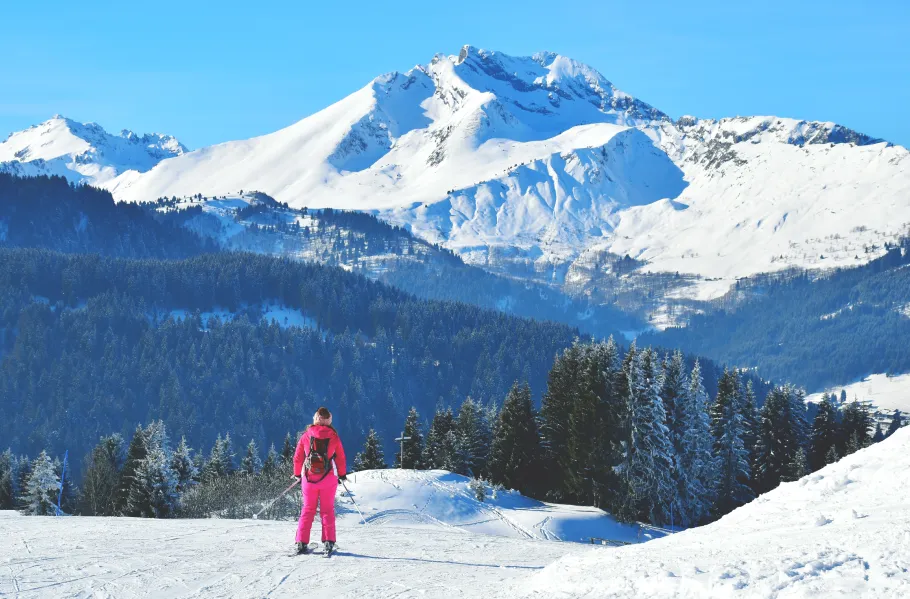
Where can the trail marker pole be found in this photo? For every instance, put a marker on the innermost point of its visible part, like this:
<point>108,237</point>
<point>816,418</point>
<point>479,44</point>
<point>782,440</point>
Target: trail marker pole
<point>402,439</point>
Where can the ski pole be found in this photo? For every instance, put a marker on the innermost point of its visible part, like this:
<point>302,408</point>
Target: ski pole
<point>364,520</point>
<point>272,502</point>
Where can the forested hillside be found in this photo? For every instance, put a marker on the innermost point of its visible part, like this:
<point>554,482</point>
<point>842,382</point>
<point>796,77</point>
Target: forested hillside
<point>92,345</point>
<point>48,212</point>
<point>813,331</point>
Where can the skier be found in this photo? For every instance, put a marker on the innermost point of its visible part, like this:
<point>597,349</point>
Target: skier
<point>318,448</point>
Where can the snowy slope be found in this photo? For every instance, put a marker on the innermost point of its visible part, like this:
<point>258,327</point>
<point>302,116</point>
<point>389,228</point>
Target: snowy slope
<point>843,531</point>
<point>885,393</point>
<point>207,559</point>
<point>83,152</point>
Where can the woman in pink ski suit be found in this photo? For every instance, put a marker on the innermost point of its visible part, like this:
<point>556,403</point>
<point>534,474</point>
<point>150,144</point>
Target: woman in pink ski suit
<point>319,487</point>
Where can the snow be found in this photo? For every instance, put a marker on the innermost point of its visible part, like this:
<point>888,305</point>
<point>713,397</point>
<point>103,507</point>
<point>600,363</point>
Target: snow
<point>423,539</point>
<point>886,393</point>
<point>843,531</point>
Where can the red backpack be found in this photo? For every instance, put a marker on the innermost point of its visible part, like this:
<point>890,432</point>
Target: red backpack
<point>317,461</point>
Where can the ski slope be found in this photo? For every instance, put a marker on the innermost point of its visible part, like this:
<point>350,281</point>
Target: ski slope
<point>843,531</point>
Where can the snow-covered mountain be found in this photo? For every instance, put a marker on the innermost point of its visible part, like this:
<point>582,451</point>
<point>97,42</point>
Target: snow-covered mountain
<point>83,152</point>
<point>541,168</point>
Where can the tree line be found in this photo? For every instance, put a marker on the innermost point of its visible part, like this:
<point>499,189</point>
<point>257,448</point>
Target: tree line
<point>634,433</point>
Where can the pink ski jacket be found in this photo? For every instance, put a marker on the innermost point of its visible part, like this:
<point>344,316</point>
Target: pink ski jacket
<point>336,450</point>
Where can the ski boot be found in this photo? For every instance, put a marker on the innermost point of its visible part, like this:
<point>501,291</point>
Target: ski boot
<point>303,549</point>
<point>329,548</point>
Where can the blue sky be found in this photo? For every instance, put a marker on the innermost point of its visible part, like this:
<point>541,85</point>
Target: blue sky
<point>211,72</point>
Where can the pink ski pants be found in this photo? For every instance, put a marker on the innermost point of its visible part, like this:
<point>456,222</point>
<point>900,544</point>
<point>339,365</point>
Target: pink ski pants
<point>322,492</point>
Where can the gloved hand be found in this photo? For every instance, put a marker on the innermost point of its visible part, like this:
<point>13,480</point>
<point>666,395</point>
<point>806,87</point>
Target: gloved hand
<point>343,478</point>
<point>296,477</point>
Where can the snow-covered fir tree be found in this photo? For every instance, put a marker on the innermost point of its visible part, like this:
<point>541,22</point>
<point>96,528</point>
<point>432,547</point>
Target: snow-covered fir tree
<point>564,385</point>
<point>879,434</point>
<point>371,458</point>
<point>674,395</point>
<point>516,453</point>
<point>153,493</point>
<point>824,435</point>
<point>696,458</point>
<point>184,466</point>
<point>287,450</point>
<point>437,452</point>
<point>728,428</point>
<point>220,462</point>
<point>413,447</point>
<point>778,440</point>
<point>42,488</point>
<point>472,444</point>
<point>251,464</point>
<point>649,463</point>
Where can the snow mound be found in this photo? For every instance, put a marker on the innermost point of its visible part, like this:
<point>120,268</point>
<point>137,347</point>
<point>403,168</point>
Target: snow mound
<point>843,531</point>
<point>442,500</point>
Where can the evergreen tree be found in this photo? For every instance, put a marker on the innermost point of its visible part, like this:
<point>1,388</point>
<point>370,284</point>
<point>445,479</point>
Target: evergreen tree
<point>799,467</point>
<point>251,464</point>
<point>516,453</point>
<point>135,455</point>
<point>220,462</point>
<point>674,395</point>
<point>287,450</point>
<point>825,432</point>
<point>102,473</point>
<point>184,466</point>
<point>649,463</point>
<point>371,458</point>
<point>42,488</point>
<point>153,492</point>
<point>24,467</point>
<point>778,440</point>
<point>750,422</point>
<point>831,456</point>
<point>896,423</point>
<point>879,434</point>
<point>695,458</point>
<point>272,462</point>
<point>855,427</point>
<point>8,467</point>
<point>563,389</point>
<point>439,450</point>
<point>472,444</point>
<point>413,447</point>
<point>728,428</point>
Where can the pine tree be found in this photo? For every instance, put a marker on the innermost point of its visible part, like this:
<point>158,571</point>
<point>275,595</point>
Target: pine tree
<point>251,464</point>
<point>778,440</point>
<point>649,463</point>
<point>472,439</point>
<point>799,467</point>
<point>516,453</point>
<point>371,458</point>
<point>728,428</point>
<point>831,456</point>
<point>896,423</point>
<point>557,406</point>
<point>855,428</point>
<point>8,467</point>
<point>439,450</point>
<point>272,462</point>
<point>879,434</point>
<point>184,466</point>
<point>102,473</point>
<point>674,395</point>
<point>42,488</point>
<point>287,450</point>
<point>695,458</point>
<point>413,447</point>
<point>824,433</point>
<point>135,455</point>
<point>153,492</point>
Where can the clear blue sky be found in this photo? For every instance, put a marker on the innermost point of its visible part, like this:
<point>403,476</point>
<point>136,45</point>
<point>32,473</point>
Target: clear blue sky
<point>211,72</point>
